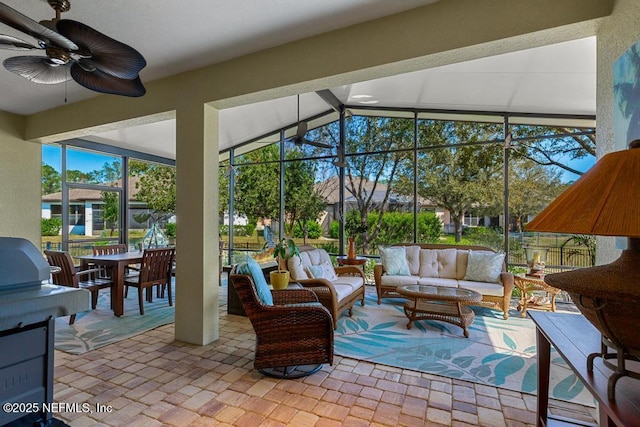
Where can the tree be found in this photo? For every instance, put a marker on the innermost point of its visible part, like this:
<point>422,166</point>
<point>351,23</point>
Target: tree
<point>531,188</point>
<point>51,179</point>
<point>303,203</point>
<point>370,178</point>
<point>157,188</point>
<point>257,184</point>
<point>553,146</point>
<point>111,210</point>
<point>460,177</point>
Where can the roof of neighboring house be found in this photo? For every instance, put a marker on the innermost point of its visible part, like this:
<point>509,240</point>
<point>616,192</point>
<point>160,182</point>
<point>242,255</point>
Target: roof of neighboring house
<point>330,190</point>
<point>85,194</point>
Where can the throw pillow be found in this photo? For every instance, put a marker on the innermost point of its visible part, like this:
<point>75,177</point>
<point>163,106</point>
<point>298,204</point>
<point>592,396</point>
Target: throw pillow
<point>253,269</point>
<point>394,260</point>
<point>315,271</point>
<point>484,266</point>
<point>328,272</point>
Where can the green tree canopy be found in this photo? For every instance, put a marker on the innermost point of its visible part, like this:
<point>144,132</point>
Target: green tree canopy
<point>157,188</point>
<point>459,177</point>
<point>51,179</point>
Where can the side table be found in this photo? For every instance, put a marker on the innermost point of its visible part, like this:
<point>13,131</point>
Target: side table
<point>528,284</point>
<point>344,260</point>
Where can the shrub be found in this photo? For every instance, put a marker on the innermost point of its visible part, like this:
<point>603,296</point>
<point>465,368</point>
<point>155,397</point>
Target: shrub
<point>330,247</point>
<point>334,229</point>
<point>51,226</point>
<point>314,230</point>
<point>170,230</point>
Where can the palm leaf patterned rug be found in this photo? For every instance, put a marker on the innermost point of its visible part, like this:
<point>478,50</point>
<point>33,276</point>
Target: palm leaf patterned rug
<point>97,328</point>
<point>498,352</point>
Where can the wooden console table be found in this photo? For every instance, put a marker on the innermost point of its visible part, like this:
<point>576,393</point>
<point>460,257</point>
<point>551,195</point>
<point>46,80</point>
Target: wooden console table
<point>574,337</point>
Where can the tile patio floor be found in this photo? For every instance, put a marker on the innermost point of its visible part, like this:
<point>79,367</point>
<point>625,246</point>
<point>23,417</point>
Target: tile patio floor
<point>151,380</point>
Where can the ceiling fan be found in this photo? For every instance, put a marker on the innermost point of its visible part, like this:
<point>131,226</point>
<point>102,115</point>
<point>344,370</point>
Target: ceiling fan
<point>301,131</point>
<point>73,51</point>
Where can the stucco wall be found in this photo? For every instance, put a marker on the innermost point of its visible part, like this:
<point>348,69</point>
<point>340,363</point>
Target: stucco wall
<point>19,181</point>
<point>614,36</point>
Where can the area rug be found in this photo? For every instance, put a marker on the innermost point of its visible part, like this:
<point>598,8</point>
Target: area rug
<point>499,353</point>
<point>97,328</point>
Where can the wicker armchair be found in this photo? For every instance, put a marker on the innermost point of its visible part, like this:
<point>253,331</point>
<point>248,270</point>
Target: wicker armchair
<point>294,336</point>
<point>336,295</point>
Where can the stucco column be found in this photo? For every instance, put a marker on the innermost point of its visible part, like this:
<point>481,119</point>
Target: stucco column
<point>197,310</point>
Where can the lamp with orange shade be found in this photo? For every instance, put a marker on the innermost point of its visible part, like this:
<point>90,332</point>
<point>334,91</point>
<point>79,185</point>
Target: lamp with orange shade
<point>605,201</point>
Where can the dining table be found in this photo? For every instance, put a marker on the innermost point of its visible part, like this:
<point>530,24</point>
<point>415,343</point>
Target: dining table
<point>117,263</point>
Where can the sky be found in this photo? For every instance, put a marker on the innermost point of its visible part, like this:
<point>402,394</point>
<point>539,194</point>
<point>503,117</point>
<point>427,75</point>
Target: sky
<point>84,161</point>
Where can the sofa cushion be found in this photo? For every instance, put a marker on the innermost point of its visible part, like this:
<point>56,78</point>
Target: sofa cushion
<point>485,288</point>
<point>438,281</point>
<point>252,268</point>
<point>484,266</point>
<point>461,263</point>
<point>428,263</point>
<point>447,263</point>
<point>394,260</point>
<point>413,259</point>
<point>396,281</point>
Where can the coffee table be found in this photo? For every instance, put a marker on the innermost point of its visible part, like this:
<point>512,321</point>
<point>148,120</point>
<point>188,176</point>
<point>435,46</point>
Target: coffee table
<point>427,302</point>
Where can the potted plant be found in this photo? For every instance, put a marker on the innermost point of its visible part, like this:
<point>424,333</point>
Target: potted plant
<point>284,249</point>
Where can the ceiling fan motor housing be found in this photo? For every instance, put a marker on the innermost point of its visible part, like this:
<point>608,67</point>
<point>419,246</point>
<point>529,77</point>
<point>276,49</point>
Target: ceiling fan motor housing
<point>60,5</point>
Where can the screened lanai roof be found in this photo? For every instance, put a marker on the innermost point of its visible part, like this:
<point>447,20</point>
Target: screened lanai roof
<point>558,79</point>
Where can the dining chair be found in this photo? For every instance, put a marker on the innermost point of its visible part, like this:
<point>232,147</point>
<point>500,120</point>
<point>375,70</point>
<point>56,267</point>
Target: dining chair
<point>69,275</point>
<point>155,269</point>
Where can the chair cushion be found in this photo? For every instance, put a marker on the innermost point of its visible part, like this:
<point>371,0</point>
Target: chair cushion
<point>355,282</point>
<point>343,290</point>
<point>394,260</point>
<point>484,266</point>
<point>297,266</point>
<point>253,269</point>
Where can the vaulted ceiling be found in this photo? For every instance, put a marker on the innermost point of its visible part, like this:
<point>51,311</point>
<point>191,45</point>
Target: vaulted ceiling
<point>182,36</point>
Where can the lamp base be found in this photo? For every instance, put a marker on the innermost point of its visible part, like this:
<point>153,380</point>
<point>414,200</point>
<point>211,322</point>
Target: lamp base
<point>609,297</point>
<point>620,368</point>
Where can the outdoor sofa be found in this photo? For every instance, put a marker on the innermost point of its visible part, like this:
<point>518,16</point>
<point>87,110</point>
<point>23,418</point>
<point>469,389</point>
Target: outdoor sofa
<point>471,267</point>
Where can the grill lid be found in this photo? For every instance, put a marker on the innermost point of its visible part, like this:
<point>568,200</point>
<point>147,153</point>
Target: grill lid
<point>21,264</point>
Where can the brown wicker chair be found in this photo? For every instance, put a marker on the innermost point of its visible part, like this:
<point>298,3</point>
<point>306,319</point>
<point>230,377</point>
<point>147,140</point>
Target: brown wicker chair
<point>155,269</point>
<point>70,276</point>
<point>294,336</point>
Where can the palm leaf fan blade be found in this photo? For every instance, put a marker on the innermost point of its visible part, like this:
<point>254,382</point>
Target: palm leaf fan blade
<point>22,23</point>
<point>37,69</point>
<point>100,81</point>
<point>105,54</point>
<point>14,43</point>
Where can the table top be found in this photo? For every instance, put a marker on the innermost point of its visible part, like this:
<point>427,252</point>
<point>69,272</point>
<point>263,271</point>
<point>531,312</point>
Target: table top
<point>532,279</point>
<point>344,260</point>
<point>125,256</point>
<point>574,337</point>
<point>443,293</point>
